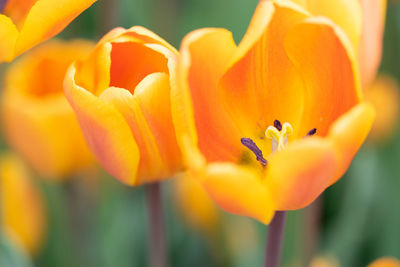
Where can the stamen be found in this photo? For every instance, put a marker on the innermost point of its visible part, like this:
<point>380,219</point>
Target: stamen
<point>247,142</point>
<point>3,5</point>
<point>312,132</point>
<point>278,125</point>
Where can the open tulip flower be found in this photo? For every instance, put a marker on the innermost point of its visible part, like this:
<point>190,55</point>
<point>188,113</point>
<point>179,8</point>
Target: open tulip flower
<point>121,96</point>
<point>269,124</point>
<point>26,23</point>
<point>37,120</point>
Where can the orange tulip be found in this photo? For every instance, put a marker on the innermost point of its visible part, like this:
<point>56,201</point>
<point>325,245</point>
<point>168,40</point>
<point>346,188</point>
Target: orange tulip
<point>385,262</point>
<point>37,119</point>
<point>121,96</point>
<point>230,102</point>
<point>26,23</point>
<point>23,214</point>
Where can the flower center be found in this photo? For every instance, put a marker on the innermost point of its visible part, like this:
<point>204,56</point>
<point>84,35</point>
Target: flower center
<point>279,134</point>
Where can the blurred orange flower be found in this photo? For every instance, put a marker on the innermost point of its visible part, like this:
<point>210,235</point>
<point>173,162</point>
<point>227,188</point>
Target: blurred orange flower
<point>121,96</point>
<point>195,205</point>
<point>383,93</point>
<point>290,67</point>
<point>385,262</point>
<point>324,261</point>
<point>23,213</point>
<point>37,119</point>
<point>26,23</point>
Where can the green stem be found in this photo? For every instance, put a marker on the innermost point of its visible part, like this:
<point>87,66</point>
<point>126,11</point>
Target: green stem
<point>274,239</point>
<point>312,223</point>
<point>157,250</point>
<point>108,15</point>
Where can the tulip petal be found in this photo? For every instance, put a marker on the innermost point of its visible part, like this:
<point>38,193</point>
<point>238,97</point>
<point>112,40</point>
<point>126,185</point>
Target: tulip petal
<point>105,66</point>
<point>261,84</point>
<point>93,73</point>
<point>370,53</point>
<point>297,175</point>
<point>8,37</point>
<point>151,166</point>
<point>204,55</point>
<point>141,59</point>
<point>238,190</point>
<point>323,56</point>
<point>47,18</point>
<point>140,34</point>
<point>22,209</point>
<point>105,130</point>
<point>153,97</point>
<point>348,134</point>
<point>347,14</point>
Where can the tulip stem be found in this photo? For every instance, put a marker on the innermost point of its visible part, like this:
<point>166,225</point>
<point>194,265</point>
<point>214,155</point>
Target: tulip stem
<point>157,251</point>
<point>274,239</point>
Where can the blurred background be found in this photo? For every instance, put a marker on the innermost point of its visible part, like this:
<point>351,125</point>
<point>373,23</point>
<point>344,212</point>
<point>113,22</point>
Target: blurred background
<point>93,220</point>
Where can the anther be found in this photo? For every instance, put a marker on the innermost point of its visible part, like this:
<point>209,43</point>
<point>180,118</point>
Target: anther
<point>247,142</point>
<point>278,125</point>
<point>312,132</point>
<point>3,4</point>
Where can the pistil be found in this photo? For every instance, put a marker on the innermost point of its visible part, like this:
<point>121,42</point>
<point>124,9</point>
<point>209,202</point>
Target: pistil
<point>279,134</point>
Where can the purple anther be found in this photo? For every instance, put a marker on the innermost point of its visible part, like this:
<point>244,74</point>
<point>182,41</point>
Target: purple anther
<point>2,5</point>
<point>312,132</point>
<point>247,142</point>
<point>278,125</point>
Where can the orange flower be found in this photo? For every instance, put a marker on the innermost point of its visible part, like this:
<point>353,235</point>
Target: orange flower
<point>26,23</point>
<point>37,119</point>
<point>22,208</point>
<point>121,96</point>
<point>229,102</point>
<point>385,262</point>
